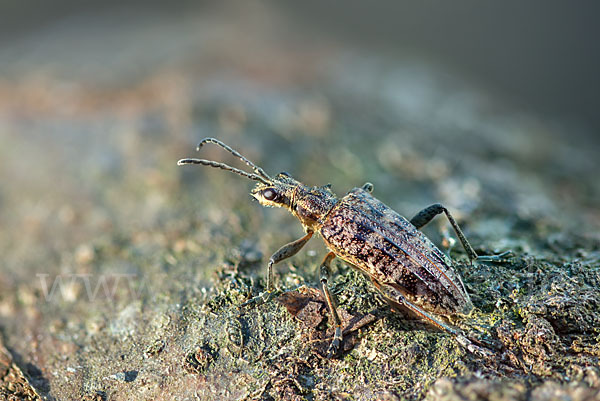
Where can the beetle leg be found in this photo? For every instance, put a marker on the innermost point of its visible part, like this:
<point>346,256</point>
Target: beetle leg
<point>325,270</point>
<point>427,214</point>
<point>395,297</point>
<point>282,253</point>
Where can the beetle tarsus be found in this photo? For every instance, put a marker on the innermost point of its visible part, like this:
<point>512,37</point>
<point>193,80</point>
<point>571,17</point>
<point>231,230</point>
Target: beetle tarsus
<point>501,257</point>
<point>260,299</point>
<point>472,348</point>
<point>335,344</point>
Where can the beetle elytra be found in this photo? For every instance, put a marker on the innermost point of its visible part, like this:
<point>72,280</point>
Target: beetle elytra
<point>404,265</point>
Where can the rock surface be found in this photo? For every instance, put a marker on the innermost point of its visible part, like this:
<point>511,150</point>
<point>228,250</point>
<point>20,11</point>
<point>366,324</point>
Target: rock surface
<point>123,274</point>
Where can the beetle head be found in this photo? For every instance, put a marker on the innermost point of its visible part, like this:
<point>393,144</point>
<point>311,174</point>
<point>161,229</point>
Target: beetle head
<point>309,204</point>
<point>278,192</point>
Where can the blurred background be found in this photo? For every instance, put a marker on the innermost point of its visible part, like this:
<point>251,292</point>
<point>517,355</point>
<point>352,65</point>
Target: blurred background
<point>489,108</point>
<point>97,101</point>
<point>539,57</point>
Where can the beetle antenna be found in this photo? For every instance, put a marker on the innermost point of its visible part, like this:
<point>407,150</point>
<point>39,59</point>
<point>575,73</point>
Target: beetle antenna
<point>224,166</point>
<point>234,152</point>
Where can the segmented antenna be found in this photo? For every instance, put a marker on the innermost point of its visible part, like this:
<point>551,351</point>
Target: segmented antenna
<point>234,152</point>
<point>260,173</point>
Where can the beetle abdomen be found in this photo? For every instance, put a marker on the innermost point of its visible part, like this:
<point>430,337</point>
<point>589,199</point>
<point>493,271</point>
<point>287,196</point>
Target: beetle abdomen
<point>389,249</point>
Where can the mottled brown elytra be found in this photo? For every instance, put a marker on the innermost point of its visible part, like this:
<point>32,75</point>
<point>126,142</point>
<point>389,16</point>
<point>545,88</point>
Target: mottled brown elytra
<point>403,264</point>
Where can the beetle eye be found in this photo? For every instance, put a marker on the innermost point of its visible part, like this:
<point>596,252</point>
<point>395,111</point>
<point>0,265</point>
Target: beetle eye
<point>285,173</point>
<point>269,194</point>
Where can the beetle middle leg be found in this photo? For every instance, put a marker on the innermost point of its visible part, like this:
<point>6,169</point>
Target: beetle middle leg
<point>427,214</point>
<point>282,253</point>
<point>325,270</point>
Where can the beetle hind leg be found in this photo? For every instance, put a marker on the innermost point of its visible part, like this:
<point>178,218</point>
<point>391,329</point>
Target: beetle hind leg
<point>395,297</point>
<point>427,214</point>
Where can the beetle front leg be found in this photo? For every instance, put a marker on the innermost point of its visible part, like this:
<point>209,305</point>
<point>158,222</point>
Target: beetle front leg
<point>325,270</point>
<point>282,253</point>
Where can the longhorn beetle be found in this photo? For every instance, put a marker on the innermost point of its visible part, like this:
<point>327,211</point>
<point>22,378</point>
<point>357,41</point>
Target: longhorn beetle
<point>409,271</point>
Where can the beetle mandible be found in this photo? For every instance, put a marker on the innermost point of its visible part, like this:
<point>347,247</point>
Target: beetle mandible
<point>409,271</point>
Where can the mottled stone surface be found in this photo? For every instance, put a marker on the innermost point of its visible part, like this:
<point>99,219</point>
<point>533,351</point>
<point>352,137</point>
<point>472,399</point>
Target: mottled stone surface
<point>122,274</point>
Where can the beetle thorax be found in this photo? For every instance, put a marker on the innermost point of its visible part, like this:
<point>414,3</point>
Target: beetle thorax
<point>311,205</point>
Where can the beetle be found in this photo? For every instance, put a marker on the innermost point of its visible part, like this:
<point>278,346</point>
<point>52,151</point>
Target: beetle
<point>409,271</point>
